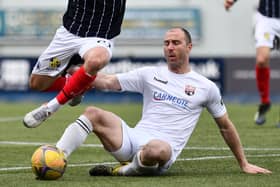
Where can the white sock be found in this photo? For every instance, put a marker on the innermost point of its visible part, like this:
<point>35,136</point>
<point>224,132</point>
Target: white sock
<point>53,105</point>
<point>74,135</point>
<point>137,168</point>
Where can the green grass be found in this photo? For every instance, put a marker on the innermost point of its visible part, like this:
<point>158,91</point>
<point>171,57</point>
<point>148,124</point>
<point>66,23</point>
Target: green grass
<point>193,172</point>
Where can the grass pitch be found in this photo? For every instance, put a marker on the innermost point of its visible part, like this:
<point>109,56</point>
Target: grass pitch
<point>206,161</point>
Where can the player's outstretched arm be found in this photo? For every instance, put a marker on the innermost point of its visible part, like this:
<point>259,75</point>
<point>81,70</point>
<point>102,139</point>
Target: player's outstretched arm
<point>232,139</point>
<point>106,82</point>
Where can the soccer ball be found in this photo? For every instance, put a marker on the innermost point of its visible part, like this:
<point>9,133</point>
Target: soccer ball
<point>48,163</point>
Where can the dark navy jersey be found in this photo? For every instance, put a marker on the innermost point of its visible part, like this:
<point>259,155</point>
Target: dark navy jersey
<point>94,18</point>
<point>269,8</point>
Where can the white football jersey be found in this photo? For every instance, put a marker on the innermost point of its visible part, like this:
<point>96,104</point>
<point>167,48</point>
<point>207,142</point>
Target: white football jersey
<point>172,103</point>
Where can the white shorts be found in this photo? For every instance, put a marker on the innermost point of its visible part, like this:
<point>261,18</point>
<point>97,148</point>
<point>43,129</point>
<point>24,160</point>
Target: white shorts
<point>64,45</point>
<point>266,30</point>
<point>133,140</point>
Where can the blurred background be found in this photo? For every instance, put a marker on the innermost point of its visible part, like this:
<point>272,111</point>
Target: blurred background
<point>224,46</point>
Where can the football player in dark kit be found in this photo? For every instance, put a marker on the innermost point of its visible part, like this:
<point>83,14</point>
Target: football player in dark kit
<point>267,33</point>
<point>88,29</point>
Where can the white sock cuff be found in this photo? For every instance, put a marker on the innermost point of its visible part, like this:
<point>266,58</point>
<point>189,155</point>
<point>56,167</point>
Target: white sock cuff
<point>85,123</point>
<point>53,105</point>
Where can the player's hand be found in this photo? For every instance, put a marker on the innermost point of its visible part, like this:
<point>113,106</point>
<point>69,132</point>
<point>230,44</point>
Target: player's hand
<point>228,4</point>
<point>253,169</point>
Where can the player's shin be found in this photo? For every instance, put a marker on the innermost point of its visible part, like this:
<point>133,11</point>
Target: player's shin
<point>74,135</point>
<point>77,85</point>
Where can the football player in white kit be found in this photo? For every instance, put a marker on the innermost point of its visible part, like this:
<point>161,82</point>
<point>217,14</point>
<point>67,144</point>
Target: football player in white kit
<point>173,99</point>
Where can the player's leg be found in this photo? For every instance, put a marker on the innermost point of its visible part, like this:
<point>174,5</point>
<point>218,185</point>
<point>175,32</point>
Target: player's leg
<point>75,63</point>
<point>106,125</point>
<point>95,59</point>
<point>46,74</point>
<point>81,80</point>
<point>44,78</point>
<point>151,159</point>
<point>264,35</point>
<point>263,83</point>
<point>41,113</point>
<point>96,54</point>
<point>53,62</point>
<point>154,158</point>
<point>46,83</point>
<point>139,154</point>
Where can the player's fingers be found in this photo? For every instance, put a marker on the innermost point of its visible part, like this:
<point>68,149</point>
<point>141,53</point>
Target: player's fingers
<point>252,169</point>
<point>265,171</point>
<point>262,170</point>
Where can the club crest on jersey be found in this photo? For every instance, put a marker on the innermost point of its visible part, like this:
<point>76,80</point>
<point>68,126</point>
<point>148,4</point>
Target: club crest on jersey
<point>54,63</point>
<point>190,90</point>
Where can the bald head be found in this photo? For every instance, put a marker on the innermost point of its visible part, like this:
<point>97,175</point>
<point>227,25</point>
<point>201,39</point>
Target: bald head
<point>186,33</point>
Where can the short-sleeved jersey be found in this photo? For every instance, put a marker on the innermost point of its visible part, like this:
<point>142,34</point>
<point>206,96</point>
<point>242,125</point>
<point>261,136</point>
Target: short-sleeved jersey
<point>94,18</point>
<point>172,103</point>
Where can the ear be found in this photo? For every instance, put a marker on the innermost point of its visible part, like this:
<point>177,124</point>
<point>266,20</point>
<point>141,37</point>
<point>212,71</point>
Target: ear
<point>189,46</point>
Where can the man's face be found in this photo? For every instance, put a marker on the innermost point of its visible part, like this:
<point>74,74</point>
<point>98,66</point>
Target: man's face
<point>176,49</point>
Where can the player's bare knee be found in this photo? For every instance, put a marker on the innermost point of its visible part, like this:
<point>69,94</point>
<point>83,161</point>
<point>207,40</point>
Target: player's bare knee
<point>92,113</point>
<point>262,60</point>
<point>95,115</point>
<point>94,65</point>
<point>96,59</point>
<point>157,151</point>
